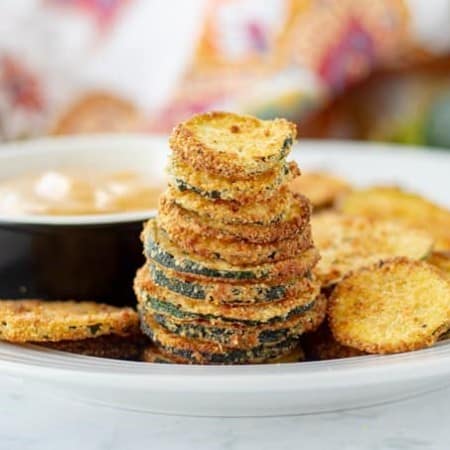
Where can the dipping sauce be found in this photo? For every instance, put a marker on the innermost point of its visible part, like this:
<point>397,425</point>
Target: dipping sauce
<point>78,191</point>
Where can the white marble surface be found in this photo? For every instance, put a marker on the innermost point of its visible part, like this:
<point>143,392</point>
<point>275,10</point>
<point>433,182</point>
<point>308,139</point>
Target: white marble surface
<point>40,421</point>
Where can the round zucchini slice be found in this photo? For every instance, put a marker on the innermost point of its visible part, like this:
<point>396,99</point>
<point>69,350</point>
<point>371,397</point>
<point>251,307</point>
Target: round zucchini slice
<point>259,188</point>
<point>160,249</point>
<point>232,145</point>
<point>296,219</point>
<point>167,302</point>
<point>246,293</point>
<point>392,203</point>
<point>50,321</point>
<point>393,306</point>
<point>202,352</point>
<point>347,243</point>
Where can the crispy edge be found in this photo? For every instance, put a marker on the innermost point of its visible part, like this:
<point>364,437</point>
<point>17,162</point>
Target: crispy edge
<point>401,346</point>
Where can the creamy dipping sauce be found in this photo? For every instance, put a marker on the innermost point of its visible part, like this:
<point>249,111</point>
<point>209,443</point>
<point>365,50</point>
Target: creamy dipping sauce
<point>78,191</point>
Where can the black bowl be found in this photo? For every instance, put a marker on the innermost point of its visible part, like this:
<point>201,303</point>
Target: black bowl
<point>91,257</point>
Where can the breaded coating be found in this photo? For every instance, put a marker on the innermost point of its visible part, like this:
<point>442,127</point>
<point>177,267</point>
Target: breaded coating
<point>234,251</point>
<point>164,252</point>
<point>234,334</point>
<point>390,307</point>
<point>320,345</point>
<point>183,307</point>
<point>296,219</point>
<point>259,188</point>
<point>50,321</point>
<point>321,188</point>
<point>202,352</point>
<point>272,211</point>
<point>406,207</point>
<point>223,292</point>
<point>440,260</point>
<point>232,145</point>
<point>347,243</point>
<point>107,346</point>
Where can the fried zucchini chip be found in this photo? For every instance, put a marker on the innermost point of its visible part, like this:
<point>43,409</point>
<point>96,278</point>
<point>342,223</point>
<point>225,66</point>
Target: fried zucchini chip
<point>406,207</point>
<point>265,213</point>
<point>320,345</point>
<point>441,260</point>
<point>107,346</point>
<point>232,145</point>
<point>164,301</point>
<point>390,307</point>
<point>296,219</point>
<point>259,188</point>
<point>237,335</point>
<point>161,250</point>
<point>321,188</point>
<point>235,251</point>
<point>49,321</point>
<point>233,294</point>
<point>202,352</point>
<point>347,243</point>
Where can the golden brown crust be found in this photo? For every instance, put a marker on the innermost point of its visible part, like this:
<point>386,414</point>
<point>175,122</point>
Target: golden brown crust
<point>259,188</point>
<point>268,212</point>
<point>47,321</point>
<point>231,145</point>
<point>235,251</point>
<point>322,189</point>
<point>395,204</point>
<point>390,307</point>
<point>107,346</point>
<point>347,243</point>
<point>296,219</point>
<point>251,312</point>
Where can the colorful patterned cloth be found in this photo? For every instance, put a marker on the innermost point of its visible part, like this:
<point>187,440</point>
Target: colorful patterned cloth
<point>155,63</point>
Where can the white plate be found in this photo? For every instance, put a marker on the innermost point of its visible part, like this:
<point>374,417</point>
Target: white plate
<point>269,389</point>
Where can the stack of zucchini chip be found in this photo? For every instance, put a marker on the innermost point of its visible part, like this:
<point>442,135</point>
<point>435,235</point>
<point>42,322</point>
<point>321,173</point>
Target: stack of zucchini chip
<point>228,277</point>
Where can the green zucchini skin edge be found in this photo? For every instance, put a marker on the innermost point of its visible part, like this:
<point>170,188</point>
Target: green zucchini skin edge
<point>160,306</point>
<point>164,258</point>
<point>232,356</point>
<point>197,291</point>
<point>183,186</point>
<point>216,334</point>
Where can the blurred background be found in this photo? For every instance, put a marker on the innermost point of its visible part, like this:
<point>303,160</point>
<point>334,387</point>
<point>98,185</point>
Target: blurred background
<point>357,69</point>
